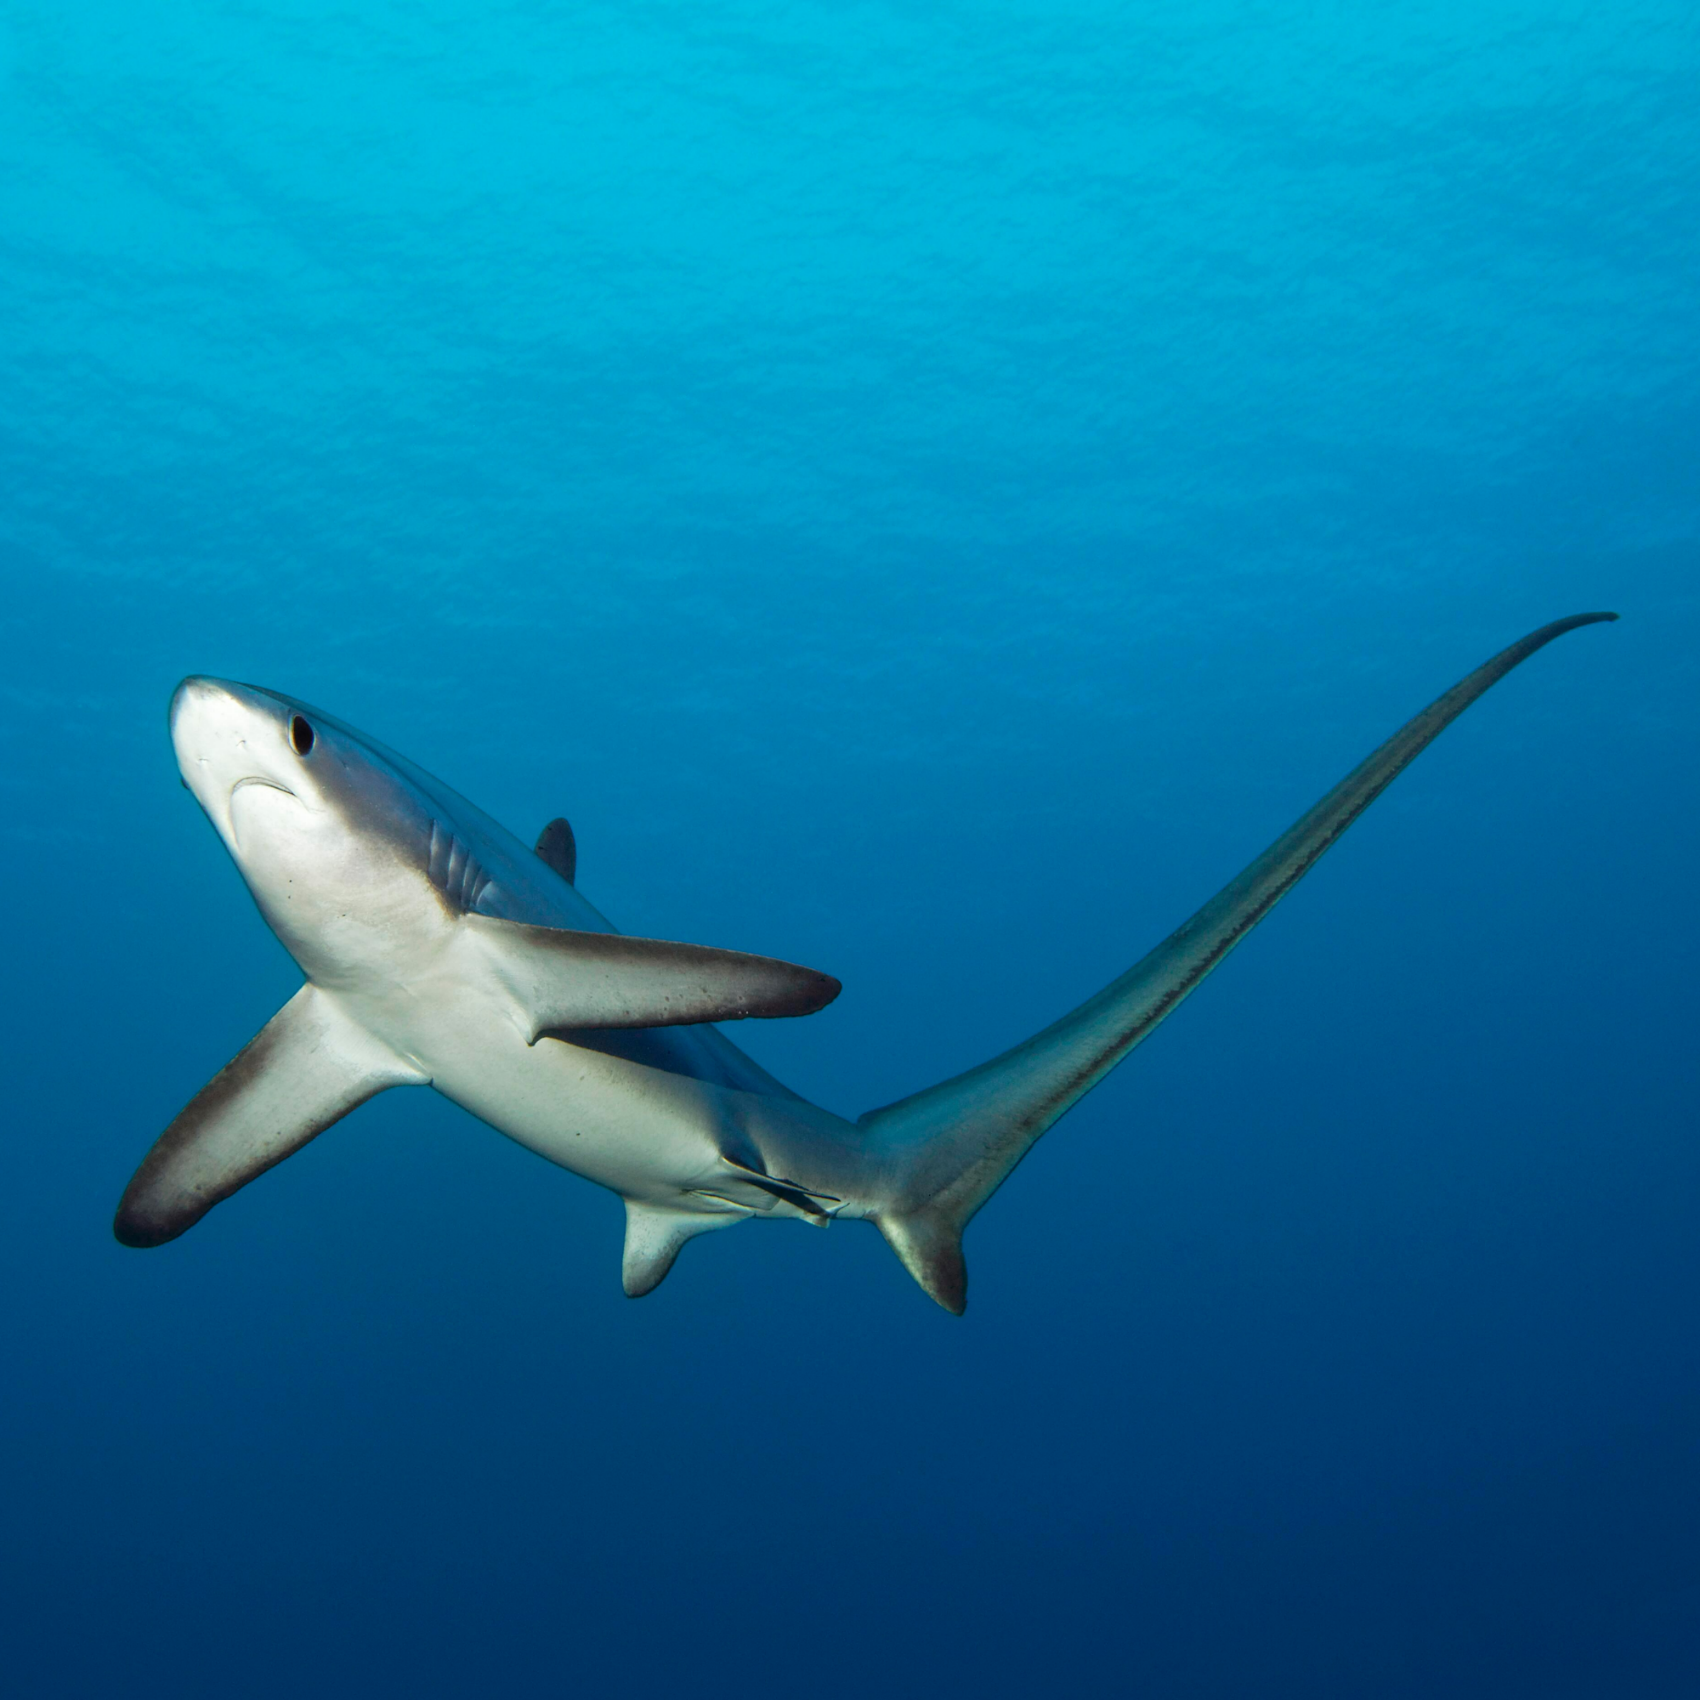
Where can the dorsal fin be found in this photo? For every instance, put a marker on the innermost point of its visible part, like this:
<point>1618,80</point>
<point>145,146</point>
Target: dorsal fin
<point>555,846</point>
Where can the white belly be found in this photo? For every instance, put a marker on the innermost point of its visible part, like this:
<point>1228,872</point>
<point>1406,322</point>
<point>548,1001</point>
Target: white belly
<point>644,1133</point>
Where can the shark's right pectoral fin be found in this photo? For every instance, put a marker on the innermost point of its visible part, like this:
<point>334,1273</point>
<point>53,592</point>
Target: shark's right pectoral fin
<point>306,1068</point>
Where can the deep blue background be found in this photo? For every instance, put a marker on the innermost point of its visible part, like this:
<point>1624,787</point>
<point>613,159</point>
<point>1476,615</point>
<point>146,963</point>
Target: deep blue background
<point>930,490</point>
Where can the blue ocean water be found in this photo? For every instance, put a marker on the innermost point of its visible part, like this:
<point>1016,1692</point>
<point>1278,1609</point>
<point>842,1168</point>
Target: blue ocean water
<point>930,490</point>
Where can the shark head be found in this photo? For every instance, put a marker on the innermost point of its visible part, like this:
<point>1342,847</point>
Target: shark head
<point>229,737</point>
<point>383,884</point>
<point>331,836</point>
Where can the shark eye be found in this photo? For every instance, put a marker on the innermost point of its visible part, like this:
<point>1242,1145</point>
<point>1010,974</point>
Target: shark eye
<point>300,736</point>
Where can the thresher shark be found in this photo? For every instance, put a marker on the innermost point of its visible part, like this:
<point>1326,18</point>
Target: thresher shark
<point>440,951</point>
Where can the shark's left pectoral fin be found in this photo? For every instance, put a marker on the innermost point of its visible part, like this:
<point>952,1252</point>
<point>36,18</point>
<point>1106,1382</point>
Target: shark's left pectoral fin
<point>563,980</point>
<point>306,1068</point>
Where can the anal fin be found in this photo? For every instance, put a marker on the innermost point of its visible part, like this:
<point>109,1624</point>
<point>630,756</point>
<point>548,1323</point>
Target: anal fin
<point>653,1239</point>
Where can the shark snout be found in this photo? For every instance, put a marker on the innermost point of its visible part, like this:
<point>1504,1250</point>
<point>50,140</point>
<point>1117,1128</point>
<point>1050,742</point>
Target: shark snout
<point>226,736</point>
<point>191,698</point>
<point>207,710</point>
<point>201,693</point>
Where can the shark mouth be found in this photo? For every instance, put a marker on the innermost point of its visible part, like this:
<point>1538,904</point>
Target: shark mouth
<point>270,784</point>
<point>232,824</point>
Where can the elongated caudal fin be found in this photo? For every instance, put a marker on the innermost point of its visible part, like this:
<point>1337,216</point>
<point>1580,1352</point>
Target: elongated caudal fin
<point>948,1149</point>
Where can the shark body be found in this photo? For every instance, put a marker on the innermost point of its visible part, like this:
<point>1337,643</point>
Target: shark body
<point>438,949</point>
